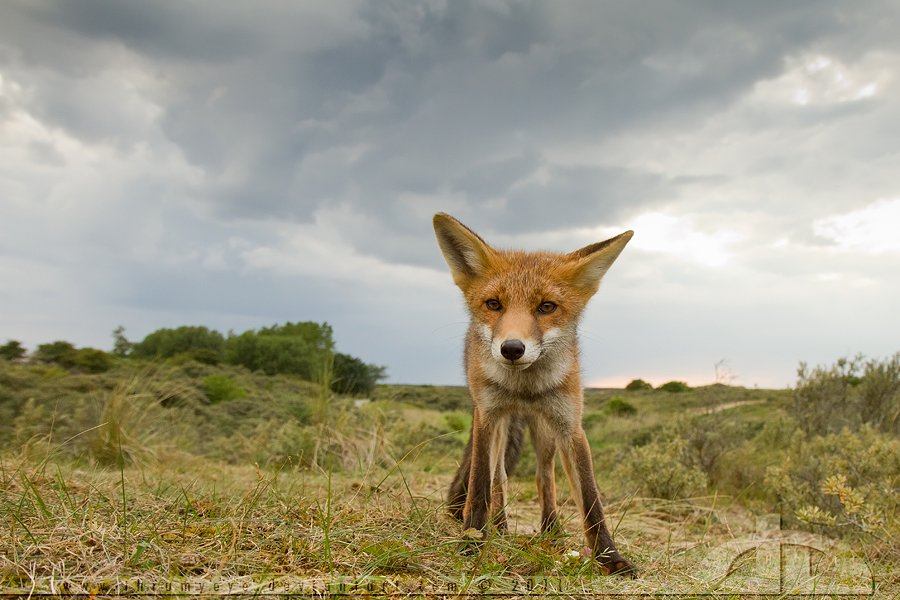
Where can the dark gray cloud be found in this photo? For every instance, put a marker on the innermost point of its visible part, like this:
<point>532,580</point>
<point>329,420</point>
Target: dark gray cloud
<point>271,161</point>
<point>436,97</point>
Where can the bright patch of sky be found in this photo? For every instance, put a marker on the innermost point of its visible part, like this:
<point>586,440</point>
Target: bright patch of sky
<point>811,80</point>
<point>676,236</point>
<point>873,230</point>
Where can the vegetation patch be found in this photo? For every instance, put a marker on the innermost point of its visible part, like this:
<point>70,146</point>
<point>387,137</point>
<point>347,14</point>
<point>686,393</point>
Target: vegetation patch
<point>200,472</point>
<point>618,406</point>
<point>674,387</point>
<point>636,385</point>
<point>222,388</point>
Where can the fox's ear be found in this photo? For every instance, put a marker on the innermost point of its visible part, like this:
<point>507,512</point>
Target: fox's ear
<point>592,262</point>
<point>466,253</point>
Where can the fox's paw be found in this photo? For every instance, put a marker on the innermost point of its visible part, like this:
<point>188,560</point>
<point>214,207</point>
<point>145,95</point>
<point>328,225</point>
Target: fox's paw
<point>472,540</point>
<point>616,564</point>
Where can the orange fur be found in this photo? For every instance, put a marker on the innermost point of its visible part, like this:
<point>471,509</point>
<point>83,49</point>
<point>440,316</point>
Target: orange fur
<point>521,359</point>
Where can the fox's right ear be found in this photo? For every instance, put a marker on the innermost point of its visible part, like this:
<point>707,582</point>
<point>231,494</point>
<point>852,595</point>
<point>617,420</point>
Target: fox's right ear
<point>467,254</point>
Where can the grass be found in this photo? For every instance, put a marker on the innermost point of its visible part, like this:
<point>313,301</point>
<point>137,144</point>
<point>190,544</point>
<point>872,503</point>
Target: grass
<point>135,482</point>
<point>196,526</point>
<point>80,531</point>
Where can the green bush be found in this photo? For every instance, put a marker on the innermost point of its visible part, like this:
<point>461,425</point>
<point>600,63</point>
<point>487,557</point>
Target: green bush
<point>166,343</point>
<point>58,352</point>
<point>292,348</point>
<point>222,388</point>
<point>591,418</point>
<point>674,387</point>
<point>353,376</point>
<point>458,422</point>
<point>65,355</point>
<point>204,356</point>
<point>827,400</point>
<point>662,469</point>
<point>840,481</point>
<point>319,336</point>
<point>273,354</point>
<point>618,406</point>
<point>637,385</point>
<point>91,360</point>
<point>12,350</point>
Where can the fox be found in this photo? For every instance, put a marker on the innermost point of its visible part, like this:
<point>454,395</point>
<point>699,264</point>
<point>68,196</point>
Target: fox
<point>521,364</point>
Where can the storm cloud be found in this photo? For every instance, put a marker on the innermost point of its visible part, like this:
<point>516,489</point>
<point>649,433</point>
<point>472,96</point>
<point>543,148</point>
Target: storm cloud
<point>235,165</point>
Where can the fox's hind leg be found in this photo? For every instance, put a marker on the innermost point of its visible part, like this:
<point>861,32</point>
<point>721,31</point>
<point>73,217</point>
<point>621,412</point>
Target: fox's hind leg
<point>456,496</point>
<point>545,450</point>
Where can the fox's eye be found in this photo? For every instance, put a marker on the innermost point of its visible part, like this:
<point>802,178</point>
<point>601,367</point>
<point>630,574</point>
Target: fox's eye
<point>546,308</point>
<point>493,304</point>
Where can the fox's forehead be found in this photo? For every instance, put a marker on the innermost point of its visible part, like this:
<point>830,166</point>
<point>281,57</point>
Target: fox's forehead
<point>529,276</point>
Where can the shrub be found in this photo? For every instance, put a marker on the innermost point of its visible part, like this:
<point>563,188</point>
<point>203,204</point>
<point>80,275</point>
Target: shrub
<point>166,343</point>
<point>662,469</point>
<point>58,352</point>
<point>709,438</point>
<point>204,356</point>
<point>65,355</point>
<point>674,387</point>
<point>458,422</point>
<point>353,376</point>
<point>841,480</point>
<point>92,360</point>
<point>592,418</point>
<point>319,336</point>
<point>618,406</point>
<point>222,388</point>
<point>637,385</point>
<point>273,354</point>
<point>828,399</point>
<point>703,442</point>
<point>12,350</point>
<point>878,400</point>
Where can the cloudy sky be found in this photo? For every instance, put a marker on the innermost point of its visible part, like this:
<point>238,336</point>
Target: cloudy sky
<point>235,165</point>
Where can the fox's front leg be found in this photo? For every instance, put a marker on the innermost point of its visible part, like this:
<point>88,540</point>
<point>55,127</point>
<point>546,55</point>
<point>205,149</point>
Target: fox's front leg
<point>576,457</point>
<point>487,434</point>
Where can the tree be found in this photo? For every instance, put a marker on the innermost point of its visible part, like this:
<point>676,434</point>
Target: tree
<point>166,343</point>
<point>67,356</point>
<point>273,354</point>
<point>12,350</point>
<point>59,352</point>
<point>637,385</point>
<point>320,337</point>
<point>121,346</point>
<point>353,376</point>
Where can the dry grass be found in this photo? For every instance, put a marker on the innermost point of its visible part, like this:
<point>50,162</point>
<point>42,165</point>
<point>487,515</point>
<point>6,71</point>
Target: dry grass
<point>188,524</point>
<point>135,483</point>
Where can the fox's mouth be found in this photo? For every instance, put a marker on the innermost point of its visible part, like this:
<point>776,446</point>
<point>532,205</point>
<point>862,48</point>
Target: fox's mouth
<point>515,366</point>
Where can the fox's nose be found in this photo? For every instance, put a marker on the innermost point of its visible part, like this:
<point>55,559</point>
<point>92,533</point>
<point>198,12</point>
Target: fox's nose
<point>512,349</point>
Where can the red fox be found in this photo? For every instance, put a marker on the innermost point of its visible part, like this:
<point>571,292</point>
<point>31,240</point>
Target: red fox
<point>521,362</point>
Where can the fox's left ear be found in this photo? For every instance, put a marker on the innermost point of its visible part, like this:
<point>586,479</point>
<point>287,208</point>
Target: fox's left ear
<point>592,262</point>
